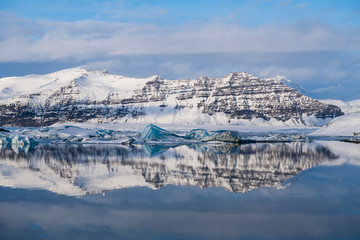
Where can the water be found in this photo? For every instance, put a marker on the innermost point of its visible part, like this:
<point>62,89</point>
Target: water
<point>250,191</point>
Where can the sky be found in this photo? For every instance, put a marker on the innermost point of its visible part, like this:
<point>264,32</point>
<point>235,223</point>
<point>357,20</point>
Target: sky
<point>316,44</point>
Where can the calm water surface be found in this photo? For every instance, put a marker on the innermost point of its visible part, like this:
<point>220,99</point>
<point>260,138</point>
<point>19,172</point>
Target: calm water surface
<point>251,191</point>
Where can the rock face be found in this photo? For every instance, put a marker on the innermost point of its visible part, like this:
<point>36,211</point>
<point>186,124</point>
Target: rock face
<point>79,95</point>
<point>81,169</point>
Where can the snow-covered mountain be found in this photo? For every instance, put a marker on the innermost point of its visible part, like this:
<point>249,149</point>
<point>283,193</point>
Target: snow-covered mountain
<point>80,95</point>
<point>82,169</point>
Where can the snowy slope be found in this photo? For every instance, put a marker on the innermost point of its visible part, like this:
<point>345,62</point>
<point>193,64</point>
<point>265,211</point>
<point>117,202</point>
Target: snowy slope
<point>341,126</point>
<point>13,86</point>
<point>91,85</point>
<point>344,125</point>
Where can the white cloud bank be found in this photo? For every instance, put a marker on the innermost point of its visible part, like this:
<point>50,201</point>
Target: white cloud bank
<point>25,40</point>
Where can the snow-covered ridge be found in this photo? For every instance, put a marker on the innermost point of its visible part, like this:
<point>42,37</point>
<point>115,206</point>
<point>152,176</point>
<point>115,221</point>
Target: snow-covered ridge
<point>92,85</point>
<point>80,95</point>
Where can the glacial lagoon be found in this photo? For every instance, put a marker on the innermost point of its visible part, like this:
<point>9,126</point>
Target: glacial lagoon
<point>286,190</point>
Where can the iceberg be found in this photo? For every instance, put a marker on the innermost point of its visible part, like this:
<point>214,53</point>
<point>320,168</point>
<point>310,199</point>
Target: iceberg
<point>277,137</point>
<point>154,133</point>
<point>197,134</point>
<point>103,133</point>
<point>224,136</point>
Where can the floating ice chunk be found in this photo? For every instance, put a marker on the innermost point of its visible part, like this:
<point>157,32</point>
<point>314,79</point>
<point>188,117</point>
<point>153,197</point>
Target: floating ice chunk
<point>298,138</point>
<point>224,136</point>
<point>152,132</point>
<point>197,134</point>
<point>275,137</point>
<point>105,133</point>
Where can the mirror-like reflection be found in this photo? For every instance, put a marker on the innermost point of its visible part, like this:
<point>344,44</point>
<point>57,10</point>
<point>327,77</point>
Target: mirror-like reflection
<point>320,202</point>
<point>82,169</point>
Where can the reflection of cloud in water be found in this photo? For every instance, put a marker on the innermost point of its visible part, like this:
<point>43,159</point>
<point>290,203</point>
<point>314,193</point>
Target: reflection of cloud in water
<point>81,169</point>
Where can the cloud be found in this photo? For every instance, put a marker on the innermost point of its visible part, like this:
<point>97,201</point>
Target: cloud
<point>81,40</point>
<point>336,92</point>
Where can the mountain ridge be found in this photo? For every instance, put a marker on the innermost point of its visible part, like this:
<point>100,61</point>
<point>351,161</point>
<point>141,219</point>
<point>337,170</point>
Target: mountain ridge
<point>80,95</point>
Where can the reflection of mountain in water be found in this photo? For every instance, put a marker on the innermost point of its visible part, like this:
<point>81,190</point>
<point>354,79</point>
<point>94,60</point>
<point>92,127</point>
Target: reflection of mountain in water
<point>81,169</point>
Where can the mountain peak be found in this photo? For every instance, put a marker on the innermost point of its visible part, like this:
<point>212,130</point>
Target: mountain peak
<point>75,70</point>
